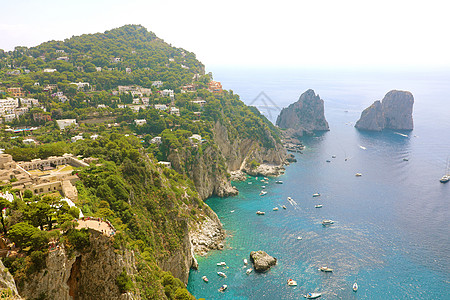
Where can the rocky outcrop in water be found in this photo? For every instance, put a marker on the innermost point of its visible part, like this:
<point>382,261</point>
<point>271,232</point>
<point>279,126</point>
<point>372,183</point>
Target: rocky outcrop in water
<point>393,112</point>
<point>304,116</point>
<point>262,261</point>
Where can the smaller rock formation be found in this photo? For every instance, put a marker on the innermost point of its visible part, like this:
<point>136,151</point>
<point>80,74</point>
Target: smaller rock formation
<point>262,261</point>
<point>393,112</point>
<point>304,116</point>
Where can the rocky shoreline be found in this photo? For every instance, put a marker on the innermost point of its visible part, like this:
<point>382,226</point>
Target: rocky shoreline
<point>208,236</point>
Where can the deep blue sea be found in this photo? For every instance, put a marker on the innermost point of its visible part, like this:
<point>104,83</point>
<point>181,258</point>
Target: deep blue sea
<point>392,225</point>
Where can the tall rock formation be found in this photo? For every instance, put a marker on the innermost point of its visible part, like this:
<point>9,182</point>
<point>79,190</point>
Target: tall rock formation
<point>304,116</point>
<point>393,112</point>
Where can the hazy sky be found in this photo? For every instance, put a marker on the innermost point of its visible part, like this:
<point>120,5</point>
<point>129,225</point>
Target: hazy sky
<point>313,33</point>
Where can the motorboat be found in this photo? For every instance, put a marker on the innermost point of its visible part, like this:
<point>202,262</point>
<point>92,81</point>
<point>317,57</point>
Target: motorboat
<point>205,279</point>
<point>275,208</point>
<point>325,269</point>
<point>265,178</point>
<point>279,182</point>
<point>248,271</point>
<point>358,174</point>
<point>445,178</point>
<point>316,195</point>
<point>328,160</point>
<point>333,156</point>
<point>312,295</point>
<point>221,274</point>
<point>291,282</point>
<point>318,206</point>
<point>260,213</point>
<point>222,263</point>
<point>262,193</point>
<point>250,182</point>
<point>284,206</point>
<point>327,222</point>
<point>223,288</point>
<point>263,186</point>
<point>405,159</point>
<point>245,261</point>
<point>299,238</point>
<point>232,211</point>
<point>289,198</point>
<point>355,287</point>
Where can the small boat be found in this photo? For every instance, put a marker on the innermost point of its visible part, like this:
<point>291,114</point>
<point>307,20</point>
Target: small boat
<point>299,238</point>
<point>316,195</point>
<point>232,211</point>
<point>445,178</point>
<point>248,271</point>
<point>223,288</point>
<point>221,274</point>
<point>333,156</point>
<point>325,269</point>
<point>222,263</point>
<point>265,178</point>
<point>405,159</point>
<point>260,213</point>
<point>263,186</point>
<point>355,287</point>
<point>245,261</point>
<point>205,279</point>
<point>312,295</point>
<point>291,282</point>
<point>362,147</point>
<point>250,183</point>
<point>289,198</point>
<point>328,160</point>
<point>318,206</point>
<point>262,193</point>
<point>358,174</point>
<point>275,208</point>
<point>284,206</point>
<point>279,182</point>
<point>327,222</point>
<point>262,180</point>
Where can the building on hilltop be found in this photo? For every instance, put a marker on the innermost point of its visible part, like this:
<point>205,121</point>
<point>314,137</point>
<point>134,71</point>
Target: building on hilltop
<point>66,122</point>
<point>16,92</point>
<point>215,87</point>
<point>140,122</point>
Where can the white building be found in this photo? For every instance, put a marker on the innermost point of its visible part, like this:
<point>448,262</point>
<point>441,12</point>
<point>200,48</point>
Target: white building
<point>199,102</point>
<point>64,58</point>
<point>145,100</point>
<point>50,70</point>
<point>140,122</point>
<point>30,101</point>
<point>94,136</point>
<point>9,117</point>
<point>66,122</point>
<point>80,85</point>
<point>8,104</point>
<point>157,83</point>
<point>76,138</point>
<point>29,141</point>
<point>175,111</point>
<point>195,139</point>
<point>166,164</point>
<point>156,140</point>
<point>101,106</point>
<point>166,93</point>
<point>128,70</point>
<point>161,106</point>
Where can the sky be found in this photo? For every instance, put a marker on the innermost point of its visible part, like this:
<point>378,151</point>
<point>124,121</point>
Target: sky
<point>313,33</point>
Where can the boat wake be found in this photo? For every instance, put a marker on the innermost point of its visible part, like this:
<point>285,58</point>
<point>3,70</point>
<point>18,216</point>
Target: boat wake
<point>362,147</point>
<point>292,202</point>
<point>405,135</point>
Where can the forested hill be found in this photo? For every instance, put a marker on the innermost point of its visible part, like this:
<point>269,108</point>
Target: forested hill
<point>130,46</point>
<point>130,104</point>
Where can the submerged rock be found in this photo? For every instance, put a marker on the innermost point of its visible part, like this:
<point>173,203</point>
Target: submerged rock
<point>393,112</point>
<point>262,261</point>
<point>304,116</point>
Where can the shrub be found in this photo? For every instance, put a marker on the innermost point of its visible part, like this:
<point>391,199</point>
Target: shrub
<point>124,282</point>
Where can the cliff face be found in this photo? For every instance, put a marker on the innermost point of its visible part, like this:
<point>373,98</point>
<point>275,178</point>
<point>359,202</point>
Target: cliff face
<point>91,275</point>
<point>304,116</point>
<point>208,168</point>
<point>393,112</point>
<point>7,284</point>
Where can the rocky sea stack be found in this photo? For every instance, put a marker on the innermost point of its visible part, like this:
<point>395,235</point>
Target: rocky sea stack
<point>393,112</point>
<point>304,116</point>
<point>262,261</point>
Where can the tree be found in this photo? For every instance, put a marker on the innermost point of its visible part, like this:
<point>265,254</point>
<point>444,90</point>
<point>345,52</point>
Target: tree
<point>21,234</point>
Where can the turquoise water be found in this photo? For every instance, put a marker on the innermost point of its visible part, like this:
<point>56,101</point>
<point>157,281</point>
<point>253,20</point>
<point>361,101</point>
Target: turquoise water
<point>391,230</point>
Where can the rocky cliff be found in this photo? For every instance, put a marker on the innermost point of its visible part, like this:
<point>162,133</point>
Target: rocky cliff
<point>304,116</point>
<point>8,289</point>
<point>393,112</point>
<point>89,275</point>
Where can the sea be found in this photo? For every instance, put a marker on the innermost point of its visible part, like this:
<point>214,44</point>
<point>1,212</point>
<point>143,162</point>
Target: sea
<point>391,230</point>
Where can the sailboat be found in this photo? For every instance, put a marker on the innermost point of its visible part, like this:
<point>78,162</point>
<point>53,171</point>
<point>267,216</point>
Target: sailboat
<point>446,177</point>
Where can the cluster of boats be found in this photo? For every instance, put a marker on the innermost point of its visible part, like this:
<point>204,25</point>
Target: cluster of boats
<point>222,274</point>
